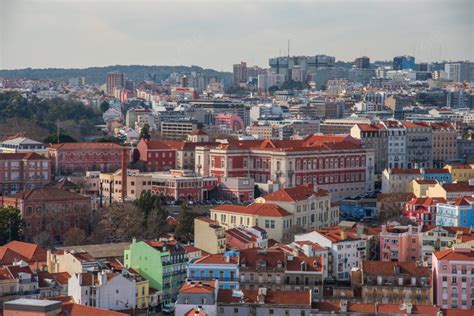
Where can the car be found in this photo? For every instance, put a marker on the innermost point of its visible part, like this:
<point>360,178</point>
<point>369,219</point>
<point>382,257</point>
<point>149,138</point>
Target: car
<point>168,309</point>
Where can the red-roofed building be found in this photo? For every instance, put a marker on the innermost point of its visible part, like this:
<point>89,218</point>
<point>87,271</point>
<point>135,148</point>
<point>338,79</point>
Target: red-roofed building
<point>335,163</point>
<point>394,282</point>
<point>422,210</point>
<point>375,137</point>
<point>50,210</point>
<point>223,267</point>
<point>241,237</point>
<point>263,301</point>
<point>15,250</point>
<point>157,155</point>
<point>199,296</point>
<point>22,171</point>
<point>453,285</point>
<point>68,158</point>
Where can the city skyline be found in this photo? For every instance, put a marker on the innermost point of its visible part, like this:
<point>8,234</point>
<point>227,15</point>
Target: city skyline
<point>72,34</point>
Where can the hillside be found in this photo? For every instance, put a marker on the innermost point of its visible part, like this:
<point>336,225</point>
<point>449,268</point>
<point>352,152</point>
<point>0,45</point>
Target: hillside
<point>97,74</point>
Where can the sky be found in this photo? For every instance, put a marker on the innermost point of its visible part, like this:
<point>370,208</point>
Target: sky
<point>217,34</point>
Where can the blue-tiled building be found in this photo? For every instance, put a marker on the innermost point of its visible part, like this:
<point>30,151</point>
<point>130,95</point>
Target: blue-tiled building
<point>223,267</point>
<point>440,175</point>
<point>459,213</point>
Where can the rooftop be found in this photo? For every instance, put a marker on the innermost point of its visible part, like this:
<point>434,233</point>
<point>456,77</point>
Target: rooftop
<point>260,209</point>
<point>294,194</point>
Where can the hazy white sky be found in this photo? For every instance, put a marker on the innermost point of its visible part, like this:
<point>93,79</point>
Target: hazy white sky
<point>216,34</point>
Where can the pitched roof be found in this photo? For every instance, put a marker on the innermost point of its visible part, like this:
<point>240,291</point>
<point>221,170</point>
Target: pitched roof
<point>370,127</point>
<point>426,201</point>
<point>458,187</point>
<point>455,254</point>
<point>217,259</point>
<point>294,194</point>
<point>49,194</point>
<point>404,171</point>
<point>290,298</point>
<point>22,156</point>
<point>251,257</point>
<point>198,287</point>
<point>394,268</point>
<point>196,311</point>
<point>259,209</point>
<point>21,251</point>
<point>376,308</point>
<point>426,182</point>
<point>72,309</point>
<point>88,146</point>
<point>156,145</point>
<point>436,170</point>
<point>314,264</point>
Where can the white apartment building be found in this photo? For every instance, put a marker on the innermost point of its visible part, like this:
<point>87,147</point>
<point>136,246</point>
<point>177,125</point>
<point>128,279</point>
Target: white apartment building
<point>110,291</point>
<point>347,250</point>
<point>397,138</point>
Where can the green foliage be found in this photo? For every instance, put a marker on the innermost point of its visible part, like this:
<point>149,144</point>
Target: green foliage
<point>109,139</point>
<point>256,192</point>
<point>185,228</point>
<point>45,112</point>
<point>104,106</point>
<point>98,74</point>
<point>272,89</point>
<point>11,225</point>
<point>63,138</point>
<point>292,85</point>
<point>145,132</point>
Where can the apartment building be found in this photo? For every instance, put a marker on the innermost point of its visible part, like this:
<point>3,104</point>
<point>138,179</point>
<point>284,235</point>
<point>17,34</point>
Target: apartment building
<point>157,155</point>
<point>209,235</point>
<point>375,137</point>
<point>400,243</point>
<point>396,180</point>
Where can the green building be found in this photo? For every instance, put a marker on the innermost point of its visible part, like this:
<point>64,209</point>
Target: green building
<point>162,263</point>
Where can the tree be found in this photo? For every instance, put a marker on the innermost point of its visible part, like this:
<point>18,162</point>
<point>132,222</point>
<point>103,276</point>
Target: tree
<point>11,225</point>
<point>256,192</point>
<point>145,132</point>
<point>121,222</point>
<point>135,155</point>
<point>108,139</point>
<point>272,89</point>
<point>44,239</point>
<point>104,106</point>
<point>63,138</point>
<point>185,228</point>
<point>75,236</point>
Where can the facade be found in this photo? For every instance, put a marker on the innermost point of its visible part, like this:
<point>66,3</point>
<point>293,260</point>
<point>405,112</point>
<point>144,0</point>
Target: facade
<point>263,301</point>
<point>400,243</point>
<point>337,164</point>
<point>396,180</point>
<point>445,147</point>
<point>51,210</point>
<point>162,263</point>
<point>68,158</point>
<point>209,235</point>
<point>311,209</point>
<point>173,185</point>
<point>452,278</point>
<point>458,212</point>
<point>177,130</point>
<point>18,280</point>
<point>436,238</point>
<point>23,171</point>
<point>223,267</point>
<point>461,172</point>
<point>274,219</point>
<point>114,80</point>
<point>240,189</point>
<point>451,191</point>
<point>422,210</point>
<point>375,137</point>
<point>71,262</point>
<point>460,71</point>
<point>22,145</point>
<point>419,145</point>
<point>199,295</point>
<point>346,249</point>
<point>440,175</point>
<point>157,155</point>
<point>404,62</point>
<point>106,290</point>
<point>397,144</point>
<point>420,187</point>
<point>396,283</point>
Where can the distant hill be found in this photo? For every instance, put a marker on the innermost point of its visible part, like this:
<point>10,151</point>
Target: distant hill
<point>97,74</point>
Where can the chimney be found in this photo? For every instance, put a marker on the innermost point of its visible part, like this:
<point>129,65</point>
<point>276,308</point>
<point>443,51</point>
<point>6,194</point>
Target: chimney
<point>79,276</point>
<point>102,277</point>
<point>124,173</point>
<point>343,235</point>
<point>343,306</point>
<point>227,258</point>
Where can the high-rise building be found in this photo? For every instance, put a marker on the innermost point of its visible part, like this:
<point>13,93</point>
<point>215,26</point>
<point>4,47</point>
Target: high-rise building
<point>404,62</point>
<point>240,73</point>
<point>362,62</point>
<point>460,71</point>
<point>114,80</point>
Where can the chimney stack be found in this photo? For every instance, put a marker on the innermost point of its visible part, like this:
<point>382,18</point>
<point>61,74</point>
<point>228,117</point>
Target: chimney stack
<point>124,173</point>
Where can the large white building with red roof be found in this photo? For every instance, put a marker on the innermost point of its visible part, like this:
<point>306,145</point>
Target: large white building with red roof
<point>338,164</point>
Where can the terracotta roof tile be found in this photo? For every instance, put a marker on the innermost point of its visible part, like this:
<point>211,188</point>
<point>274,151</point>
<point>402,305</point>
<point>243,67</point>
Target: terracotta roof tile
<point>260,209</point>
<point>251,257</point>
<point>217,259</point>
<point>198,287</point>
<point>88,146</point>
<point>455,254</point>
<point>291,298</point>
<point>389,268</point>
<point>294,194</point>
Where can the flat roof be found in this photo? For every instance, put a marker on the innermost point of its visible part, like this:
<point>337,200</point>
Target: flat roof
<point>26,304</point>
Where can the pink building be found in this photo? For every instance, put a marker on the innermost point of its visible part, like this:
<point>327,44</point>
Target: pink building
<point>400,243</point>
<point>453,275</point>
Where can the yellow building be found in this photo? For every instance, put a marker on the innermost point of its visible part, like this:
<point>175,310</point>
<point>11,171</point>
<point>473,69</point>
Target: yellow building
<point>271,217</point>
<point>209,235</point>
<point>143,289</point>
<point>112,185</point>
<point>420,187</point>
<point>450,191</point>
<point>461,172</point>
